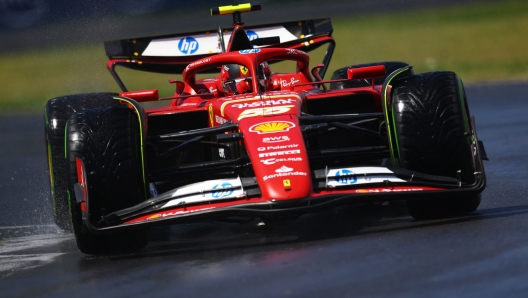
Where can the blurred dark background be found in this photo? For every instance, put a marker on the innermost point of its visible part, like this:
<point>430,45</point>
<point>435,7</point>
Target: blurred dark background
<point>33,24</point>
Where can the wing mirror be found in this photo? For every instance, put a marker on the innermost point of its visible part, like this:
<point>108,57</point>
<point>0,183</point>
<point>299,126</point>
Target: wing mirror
<point>179,86</point>
<point>141,95</point>
<point>369,72</point>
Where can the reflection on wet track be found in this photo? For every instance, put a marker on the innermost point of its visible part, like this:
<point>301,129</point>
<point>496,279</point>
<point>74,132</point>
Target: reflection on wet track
<point>37,248</point>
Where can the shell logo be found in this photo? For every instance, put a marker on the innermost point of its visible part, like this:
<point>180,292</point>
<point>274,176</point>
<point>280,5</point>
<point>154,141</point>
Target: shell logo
<point>272,127</point>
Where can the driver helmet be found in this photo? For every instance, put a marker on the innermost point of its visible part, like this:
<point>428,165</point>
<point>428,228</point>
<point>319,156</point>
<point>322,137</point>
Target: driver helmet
<point>264,77</point>
<point>236,79</point>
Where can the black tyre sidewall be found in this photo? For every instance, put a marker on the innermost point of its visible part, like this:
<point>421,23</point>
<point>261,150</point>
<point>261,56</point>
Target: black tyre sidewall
<point>56,113</point>
<point>107,141</point>
<point>431,126</point>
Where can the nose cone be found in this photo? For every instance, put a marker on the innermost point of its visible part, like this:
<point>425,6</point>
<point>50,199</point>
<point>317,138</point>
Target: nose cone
<point>276,148</point>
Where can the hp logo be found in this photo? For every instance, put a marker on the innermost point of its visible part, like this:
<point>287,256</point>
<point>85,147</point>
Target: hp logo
<point>252,35</point>
<point>249,51</point>
<point>346,177</point>
<point>221,191</point>
<point>188,45</point>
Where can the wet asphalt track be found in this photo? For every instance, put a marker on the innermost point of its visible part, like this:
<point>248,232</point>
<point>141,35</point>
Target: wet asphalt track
<point>346,252</point>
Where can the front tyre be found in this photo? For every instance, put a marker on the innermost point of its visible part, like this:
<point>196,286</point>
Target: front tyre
<point>433,136</point>
<point>107,141</point>
<point>56,113</point>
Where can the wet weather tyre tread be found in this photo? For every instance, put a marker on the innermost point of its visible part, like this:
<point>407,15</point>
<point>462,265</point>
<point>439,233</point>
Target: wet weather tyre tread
<point>56,113</point>
<point>107,141</point>
<point>431,127</point>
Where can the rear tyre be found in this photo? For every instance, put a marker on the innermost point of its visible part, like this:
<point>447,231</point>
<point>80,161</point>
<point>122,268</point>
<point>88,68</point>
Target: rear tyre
<point>106,140</point>
<point>432,128</point>
<point>56,113</point>
<point>342,74</point>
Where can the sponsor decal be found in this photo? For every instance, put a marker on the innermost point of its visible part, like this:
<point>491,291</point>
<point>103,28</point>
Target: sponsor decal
<point>252,35</point>
<point>292,51</point>
<point>249,51</point>
<point>275,139</point>
<point>222,190</point>
<point>376,190</point>
<point>220,120</point>
<point>205,60</point>
<point>257,98</point>
<point>278,147</point>
<point>272,127</point>
<point>208,43</point>
<point>173,213</point>
<point>360,175</point>
<point>279,153</point>
<point>285,83</point>
<point>193,104</point>
<point>211,123</point>
<point>283,169</point>
<point>272,161</point>
<point>256,104</point>
<point>200,189</point>
<point>154,216</point>
<point>345,177</point>
<point>284,34</point>
<point>284,174</point>
<point>244,70</point>
<point>286,183</point>
<point>188,45</point>
<point>265,111</point>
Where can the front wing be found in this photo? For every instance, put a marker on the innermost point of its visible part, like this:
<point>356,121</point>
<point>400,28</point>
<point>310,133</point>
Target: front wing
<point>236,197</point>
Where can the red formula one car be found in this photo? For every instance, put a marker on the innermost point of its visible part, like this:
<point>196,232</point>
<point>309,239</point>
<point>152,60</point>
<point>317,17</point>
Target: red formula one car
<point>240,140</point>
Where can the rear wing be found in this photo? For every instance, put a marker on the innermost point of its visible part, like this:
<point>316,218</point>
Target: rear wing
<point>172,53</point>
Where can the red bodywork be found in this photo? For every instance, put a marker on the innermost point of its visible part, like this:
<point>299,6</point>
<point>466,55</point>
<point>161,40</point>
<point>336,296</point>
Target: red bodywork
<point>269,118</point>
<point>269,122</point>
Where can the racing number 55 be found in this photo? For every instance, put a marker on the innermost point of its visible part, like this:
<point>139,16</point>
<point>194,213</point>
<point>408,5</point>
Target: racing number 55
<point>266,111</point>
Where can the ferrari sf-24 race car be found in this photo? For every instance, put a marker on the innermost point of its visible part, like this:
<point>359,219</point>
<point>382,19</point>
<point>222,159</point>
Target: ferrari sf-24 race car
<point>238,141</point>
